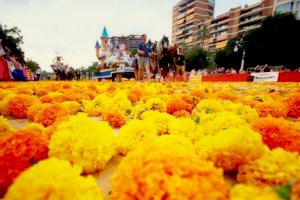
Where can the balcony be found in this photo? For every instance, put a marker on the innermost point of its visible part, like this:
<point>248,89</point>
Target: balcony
<point>190,17</point>
<point>189,40</point>
<point>181,21</point>
<point>181,16</point>
<point>190,11</point>
<point>252,19</point>
<point>222,37</point>
<point>179,32</point>
<point>221,45</point>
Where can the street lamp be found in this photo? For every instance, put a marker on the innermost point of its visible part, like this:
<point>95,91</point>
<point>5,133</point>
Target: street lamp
<point>241,45</point>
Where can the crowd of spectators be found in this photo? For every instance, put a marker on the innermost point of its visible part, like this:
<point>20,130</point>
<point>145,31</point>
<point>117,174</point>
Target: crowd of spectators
<point>12,63</point>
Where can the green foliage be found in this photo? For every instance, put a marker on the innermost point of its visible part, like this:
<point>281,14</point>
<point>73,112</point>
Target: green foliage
<point>14,34</point>
<point>227,57</point>
<point>32,65</point>
<point>184,46</point>
<point>134,52</point>
<point>196,58</point>
<point>274,43</point>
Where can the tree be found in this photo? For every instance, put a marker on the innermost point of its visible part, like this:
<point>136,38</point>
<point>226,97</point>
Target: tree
<point>275,43</point>
<point>184,46</point>
<point>196,58</point>
<point>227,57</point>
<point>12,39</point>
<point>32,65</point>
<point>203,34</point>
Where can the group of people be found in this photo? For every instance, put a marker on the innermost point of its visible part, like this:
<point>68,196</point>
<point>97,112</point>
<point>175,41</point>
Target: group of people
<point>12,64</point>
<point>158,61</point>
<point>63,72</point>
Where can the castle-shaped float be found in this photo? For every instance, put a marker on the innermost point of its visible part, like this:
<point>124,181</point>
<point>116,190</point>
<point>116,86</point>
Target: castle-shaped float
<point>113,61</point>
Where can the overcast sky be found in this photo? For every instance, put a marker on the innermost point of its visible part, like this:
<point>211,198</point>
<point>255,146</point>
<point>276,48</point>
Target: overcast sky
<point>71,27</point>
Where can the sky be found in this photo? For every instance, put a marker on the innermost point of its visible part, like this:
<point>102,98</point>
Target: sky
<point>71,28</point>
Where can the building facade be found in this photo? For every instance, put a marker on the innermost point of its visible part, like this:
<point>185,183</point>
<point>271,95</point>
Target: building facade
<point>284,6</point>
<point>130,42</point>
<point>232,24</point>
<point>187,14</point>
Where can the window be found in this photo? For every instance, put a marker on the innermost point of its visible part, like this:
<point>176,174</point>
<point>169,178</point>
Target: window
<point>284,8</point>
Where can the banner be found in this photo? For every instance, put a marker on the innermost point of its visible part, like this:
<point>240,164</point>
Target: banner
<point>265,77</point>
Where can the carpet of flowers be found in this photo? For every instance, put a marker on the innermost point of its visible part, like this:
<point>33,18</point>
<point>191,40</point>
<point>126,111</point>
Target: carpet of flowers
<point>184,141</point>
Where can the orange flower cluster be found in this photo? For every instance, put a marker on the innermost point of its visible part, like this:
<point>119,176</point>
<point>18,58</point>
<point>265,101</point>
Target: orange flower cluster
<point>19,105</point>
<point>18,152</point>
<point>267,108</point>
<point>47,114</point>
<point>293,104</point>
<point>135,94</point>
<point>115,118</point>
<point>181,104</point>
<point>278,132</point>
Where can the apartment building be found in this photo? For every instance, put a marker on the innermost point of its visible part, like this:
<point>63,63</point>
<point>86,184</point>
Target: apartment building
<point>284,6</point>
<point>130,41</point>
<point>187,14</point>
<point>232,24</point>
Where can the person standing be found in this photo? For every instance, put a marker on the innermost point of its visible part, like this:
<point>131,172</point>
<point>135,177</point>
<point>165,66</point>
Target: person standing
<point>78,75</point>
<point>38,73</point>
<point>154,58</point>
<point>144,57</point>
<point>180,65</point>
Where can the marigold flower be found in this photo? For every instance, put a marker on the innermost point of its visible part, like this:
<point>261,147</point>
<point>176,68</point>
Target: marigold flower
<point>50,114</point>
<point>19,105</point>
<point>19,151</point>
<point>276,167</point>
<point>84,142</point>
<point>186,128</point>
<point>279,132</point>
<point>293,104</point>
<point>135,94</point>
<point>73,106</point>
<point>53,179</point>
<point>134,133</point>
<point>156,104</point>
<point>231,148</point>
<point>167,172</point>
<point>267,108</point>
<point>114,117</point>
<point>178,104</point>
<point>5,127</point>
<point>161,121</point>
<point>245,192</point>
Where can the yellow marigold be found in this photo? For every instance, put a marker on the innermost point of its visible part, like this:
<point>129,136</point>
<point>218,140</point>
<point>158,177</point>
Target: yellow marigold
<point>167,172</point>
<point>83,142</point>
<point>250,192</point>
<point>156,104</point>
<point>174,140</point>
<point>161,121</point>
<point>53,179</point>
<point>121,102</point>
<point>73,106</point>
<point>231,148</point>
<point>137,110</point>
<point>4,108</point>
<point>134,133</point>
<point>5,127</point>
<point>89,108</point>
<point>275,167</point>
<point>4,93</point>
<point>220,121</point>
<point>186,128</point>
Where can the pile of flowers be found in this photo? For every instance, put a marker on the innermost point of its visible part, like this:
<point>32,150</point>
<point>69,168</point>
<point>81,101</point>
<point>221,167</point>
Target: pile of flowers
<point>159,140</point>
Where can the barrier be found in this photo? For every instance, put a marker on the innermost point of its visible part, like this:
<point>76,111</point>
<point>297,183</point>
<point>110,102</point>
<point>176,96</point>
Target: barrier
<point>283,77</point>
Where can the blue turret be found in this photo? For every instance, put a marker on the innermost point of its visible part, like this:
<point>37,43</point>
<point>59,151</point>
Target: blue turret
<point>97,46</point>
<point>104,34</point>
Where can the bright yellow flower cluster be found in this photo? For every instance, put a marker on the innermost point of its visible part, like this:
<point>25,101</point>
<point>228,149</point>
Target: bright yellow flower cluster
<point>231,148</point>
<point>162,121</point>
<point>53,179</point>
<point>5,127</point>
<point>276,167</point>
<point>250,192</point>
<point>135,133</point>
<point>84,142</point>
<point>166,171</point>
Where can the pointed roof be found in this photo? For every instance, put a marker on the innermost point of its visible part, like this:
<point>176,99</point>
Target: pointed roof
<point>97,46</point>
<point>104,33</point>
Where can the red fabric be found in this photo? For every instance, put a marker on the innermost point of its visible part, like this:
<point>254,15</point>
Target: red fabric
<point>226,78</point>
<point>4,73</point>
<point>289,77</point>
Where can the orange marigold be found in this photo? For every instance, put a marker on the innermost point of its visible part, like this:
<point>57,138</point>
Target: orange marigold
<point>267,108</point>
<point>165,171</point>
<point>19,105</point>
<point>18,152</point>
<point>51,113</point>
<point>115,118</point>
<point>293,104</point>
<point>278,132</point>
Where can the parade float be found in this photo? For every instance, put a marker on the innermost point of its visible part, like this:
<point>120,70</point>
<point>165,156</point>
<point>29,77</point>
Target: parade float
<point>114,61</point>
